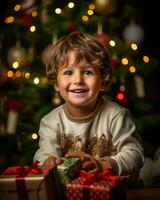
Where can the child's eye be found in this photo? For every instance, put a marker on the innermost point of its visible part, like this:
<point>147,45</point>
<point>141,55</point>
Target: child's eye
<point>67,72</point>
<point>88,72</point>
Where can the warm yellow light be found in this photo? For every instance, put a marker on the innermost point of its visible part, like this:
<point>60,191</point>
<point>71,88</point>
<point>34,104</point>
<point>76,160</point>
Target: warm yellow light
<point>85,18</point>
<point>112,43</point>
<point>90,12</point>
<point>32,28</point>
<point>58,11</point>
<point>27,75</point>
<point>15,65</point>
<point>34,13</point>
<point>18,74</point>
<point>17,7</point>
<point>70,5</point>
<point>34,136</point>
<point>124,61</point>
<point>146,59</point>
<point>132,69</point>
<point>36,80</point>
<point>91,6</point>
<point>10,74</point>
<point>9,20</point>
<point>134,46</point>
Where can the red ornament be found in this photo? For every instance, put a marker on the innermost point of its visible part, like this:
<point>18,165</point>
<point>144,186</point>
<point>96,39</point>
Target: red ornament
<point>103,38</point>
<point>14,105</point>
<point>115,62</point>
<point>121,97</point>
<point>72,26</point>
<point>27,7</point>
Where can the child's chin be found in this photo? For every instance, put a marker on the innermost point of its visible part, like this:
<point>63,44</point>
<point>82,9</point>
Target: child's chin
<point>79,103</point>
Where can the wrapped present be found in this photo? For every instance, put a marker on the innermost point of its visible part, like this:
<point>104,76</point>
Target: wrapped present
<point>28,183</point>
<point>101,186</point>
<point>69,169</point>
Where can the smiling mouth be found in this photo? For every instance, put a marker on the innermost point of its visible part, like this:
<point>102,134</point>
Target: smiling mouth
<point>79,90</point>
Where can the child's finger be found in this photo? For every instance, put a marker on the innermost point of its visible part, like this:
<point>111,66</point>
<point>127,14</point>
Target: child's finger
<point>97,165</point>
<point>50,161</point>
<point>83,156</point>
<point>88,165</point>
<point>58,161</point>
<point>74,154</point>
<point>94,170</point>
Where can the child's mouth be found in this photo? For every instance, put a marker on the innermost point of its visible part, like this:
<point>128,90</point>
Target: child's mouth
<point>79,90</point>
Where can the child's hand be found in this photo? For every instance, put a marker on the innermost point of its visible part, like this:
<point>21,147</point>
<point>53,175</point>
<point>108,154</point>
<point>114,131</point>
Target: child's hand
<point>88,163</point>
<point>51,161</point>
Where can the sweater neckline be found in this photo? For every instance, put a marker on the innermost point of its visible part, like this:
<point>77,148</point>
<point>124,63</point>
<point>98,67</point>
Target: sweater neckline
<point>87,118</point>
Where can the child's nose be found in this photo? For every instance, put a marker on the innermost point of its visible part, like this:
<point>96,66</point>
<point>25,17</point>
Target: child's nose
<point>78,79</point>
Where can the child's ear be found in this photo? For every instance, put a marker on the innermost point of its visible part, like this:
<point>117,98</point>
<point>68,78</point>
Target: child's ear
<point>103,87</point>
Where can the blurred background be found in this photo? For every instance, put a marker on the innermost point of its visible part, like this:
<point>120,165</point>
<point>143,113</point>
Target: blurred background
<point>128,28</point>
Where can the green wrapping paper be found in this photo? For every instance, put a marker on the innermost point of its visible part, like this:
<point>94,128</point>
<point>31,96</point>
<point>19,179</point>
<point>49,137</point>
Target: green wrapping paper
<point>69,169</point>
<point>66,172</point>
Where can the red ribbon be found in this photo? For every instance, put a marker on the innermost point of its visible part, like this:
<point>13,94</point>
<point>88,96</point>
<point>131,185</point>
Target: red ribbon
<point>21,172</point>
<point>106,175</point>
<point>91,178</point>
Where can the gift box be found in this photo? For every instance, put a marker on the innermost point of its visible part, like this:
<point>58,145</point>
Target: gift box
<point>29,183</point>
<point>69,169</point>
<point>101,186</point>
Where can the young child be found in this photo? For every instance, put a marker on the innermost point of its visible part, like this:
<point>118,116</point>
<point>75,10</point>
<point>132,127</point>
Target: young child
<point>98,131</point>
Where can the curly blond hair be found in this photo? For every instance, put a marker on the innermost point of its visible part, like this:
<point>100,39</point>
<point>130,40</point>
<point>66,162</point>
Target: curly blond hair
<point>85,47</point>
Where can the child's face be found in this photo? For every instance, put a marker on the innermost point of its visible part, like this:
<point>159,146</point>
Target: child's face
<point>79,84</point>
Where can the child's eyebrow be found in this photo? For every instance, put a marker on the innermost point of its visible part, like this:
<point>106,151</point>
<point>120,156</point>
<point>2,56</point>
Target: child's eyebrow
<point>81,65</point>
<point>64,67</point>
<point>69,66</point>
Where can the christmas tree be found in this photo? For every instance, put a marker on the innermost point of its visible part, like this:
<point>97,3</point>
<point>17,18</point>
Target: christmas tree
<point>29,28</point>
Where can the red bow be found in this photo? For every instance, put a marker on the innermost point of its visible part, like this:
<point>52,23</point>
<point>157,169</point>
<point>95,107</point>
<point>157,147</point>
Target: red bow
<point>22,171</point>
<point>106,175</point>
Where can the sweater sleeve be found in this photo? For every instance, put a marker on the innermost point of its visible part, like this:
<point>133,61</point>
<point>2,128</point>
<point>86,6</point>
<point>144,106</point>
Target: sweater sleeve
<point>125,138</point>
<point>48,141</point>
